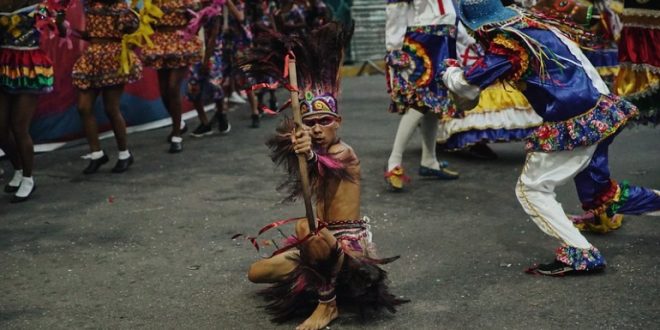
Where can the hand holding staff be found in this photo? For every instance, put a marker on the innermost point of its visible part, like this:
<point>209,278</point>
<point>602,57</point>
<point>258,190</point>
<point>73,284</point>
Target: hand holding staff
<point>302,162</point>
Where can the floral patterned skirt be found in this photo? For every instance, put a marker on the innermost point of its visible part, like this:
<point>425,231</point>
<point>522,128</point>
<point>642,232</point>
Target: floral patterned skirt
<point>171,51</point>
<point>412,73</point>
<point>203,88</point>
<point>100,66</point>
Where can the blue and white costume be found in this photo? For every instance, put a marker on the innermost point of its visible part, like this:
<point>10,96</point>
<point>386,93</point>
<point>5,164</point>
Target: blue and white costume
<point>580,119</point>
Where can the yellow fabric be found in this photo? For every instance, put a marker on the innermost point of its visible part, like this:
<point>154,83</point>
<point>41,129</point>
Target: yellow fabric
<point>126,41</point>
<point>607,71</point>
<point>497,97</point>
<point>30,72</point>
<point>606,224</point>
<point>396,178</point>
<point>630,82</point>
<point>148,14</point>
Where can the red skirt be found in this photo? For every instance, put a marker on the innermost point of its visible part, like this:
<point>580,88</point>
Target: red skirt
<point>26,71</point>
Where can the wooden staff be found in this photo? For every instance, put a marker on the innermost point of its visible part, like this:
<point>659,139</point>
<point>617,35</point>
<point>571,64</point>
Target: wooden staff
<point>225,18</point>
<point>302,161</point>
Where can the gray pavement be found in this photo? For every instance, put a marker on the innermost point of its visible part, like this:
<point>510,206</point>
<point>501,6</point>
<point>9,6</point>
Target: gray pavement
<point>151,248</point>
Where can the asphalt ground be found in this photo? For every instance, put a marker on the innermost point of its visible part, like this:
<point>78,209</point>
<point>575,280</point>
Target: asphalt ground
<point>151,248</point>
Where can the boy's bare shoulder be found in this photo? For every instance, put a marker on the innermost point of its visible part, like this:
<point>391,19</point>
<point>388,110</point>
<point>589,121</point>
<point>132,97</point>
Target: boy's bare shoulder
<point>344,152</point>
<point>340,147</point>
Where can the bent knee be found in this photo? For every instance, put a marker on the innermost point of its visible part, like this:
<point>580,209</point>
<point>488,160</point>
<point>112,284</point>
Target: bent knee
<point>255,273</point>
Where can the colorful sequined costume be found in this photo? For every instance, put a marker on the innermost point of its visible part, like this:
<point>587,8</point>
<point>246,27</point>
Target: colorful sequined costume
<point>24,67</point>
<point>350,273</point>
<point>170,50</point>
<point>580,119</point>
<point>106,62</point>
<point>639,53</point>
<point>502,114</point>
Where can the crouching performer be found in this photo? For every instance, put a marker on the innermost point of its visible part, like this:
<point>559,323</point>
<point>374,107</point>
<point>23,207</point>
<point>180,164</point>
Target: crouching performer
<point>332,266</point>
<point>581,118</point>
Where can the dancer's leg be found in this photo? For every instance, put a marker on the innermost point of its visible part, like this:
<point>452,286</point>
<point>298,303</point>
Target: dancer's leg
<point>111,104</point>
<point>86,100</point>
<point>22,110</point>
<point>407,126</point>
<point>429,129</point>
<point>535,190</point>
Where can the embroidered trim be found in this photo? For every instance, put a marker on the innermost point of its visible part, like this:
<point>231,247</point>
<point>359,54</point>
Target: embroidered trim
<point>436,30</point>
<point>580,259</point>
<point>349,230</point>
<point>641,12</point>
<point>19,47</point>
<point>640,67</point>
<point>610,113</point>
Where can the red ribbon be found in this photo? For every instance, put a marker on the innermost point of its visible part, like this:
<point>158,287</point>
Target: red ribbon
<point>253,239</point>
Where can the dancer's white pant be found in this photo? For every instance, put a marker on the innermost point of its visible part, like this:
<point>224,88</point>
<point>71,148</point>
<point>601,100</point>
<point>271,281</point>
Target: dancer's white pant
<point>536,191</point>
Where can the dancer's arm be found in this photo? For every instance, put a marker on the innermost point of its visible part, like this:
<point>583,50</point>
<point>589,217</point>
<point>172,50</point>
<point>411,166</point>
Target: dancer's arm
<point>237,13</point>
<point>468,82</point>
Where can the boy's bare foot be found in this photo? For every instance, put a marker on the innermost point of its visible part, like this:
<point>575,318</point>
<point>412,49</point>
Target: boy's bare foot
<point>322,316</point>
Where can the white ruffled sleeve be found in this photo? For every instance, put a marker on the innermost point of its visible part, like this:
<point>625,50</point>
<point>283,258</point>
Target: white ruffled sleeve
<point>455,82</point>
<point>396,24</point>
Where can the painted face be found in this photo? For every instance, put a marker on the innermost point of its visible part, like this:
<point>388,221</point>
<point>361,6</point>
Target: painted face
<point>323,129</point>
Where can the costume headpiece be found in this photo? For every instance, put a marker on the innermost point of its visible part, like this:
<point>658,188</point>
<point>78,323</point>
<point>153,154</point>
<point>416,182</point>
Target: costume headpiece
<point>477,13</point>
<point>318,58</point>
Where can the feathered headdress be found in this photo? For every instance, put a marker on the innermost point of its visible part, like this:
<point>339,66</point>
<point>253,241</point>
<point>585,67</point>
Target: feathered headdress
<point>318,56</point>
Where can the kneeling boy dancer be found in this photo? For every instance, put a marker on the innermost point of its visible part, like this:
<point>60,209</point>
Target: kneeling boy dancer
<point>332,265</point>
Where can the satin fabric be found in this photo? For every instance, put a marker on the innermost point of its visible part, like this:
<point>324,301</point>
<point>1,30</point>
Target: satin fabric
<point>632,84</point>
<point>428,59</point>
<point>535,190</point>
<point>570,92</point>
<point>640,46</point>
<point>603,58</point>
